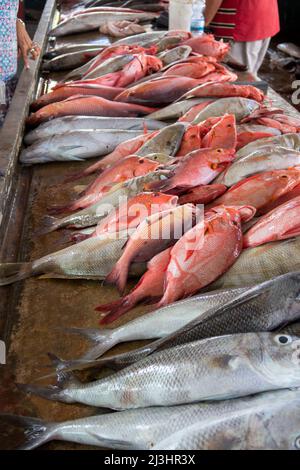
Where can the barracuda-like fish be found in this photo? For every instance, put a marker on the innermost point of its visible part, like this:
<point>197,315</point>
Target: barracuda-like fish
<point>90,259</point>
<point>79,123</point>
<point>278,158</point>
<point>93,214</point>
<point>150,426</point>
<point>212,369</point>
<point>154,324</point>
<point>69,60</point>
<point>265,421</point>
<point>264,307</point>
<point>75,145</point>
<point>93,20</point>
<point>240,107</point>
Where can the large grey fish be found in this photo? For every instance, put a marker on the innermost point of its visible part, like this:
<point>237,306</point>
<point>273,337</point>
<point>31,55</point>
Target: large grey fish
<point>91,259</point>
<point>240,107</point>
<point>167,141</point>
<point>173,55</point>
<point>93,20</point>
<point>68,48</point>
<point>112,64</point>
<point>152,427</point>
<point>278,158</point>
<point>264,307</point>
<point>80,123</point>
<point>215,368</point>
<point>267,421</point>
<point>290,141</point>
<point>143,39</point>
<point>261,263</point>
<point>69,60</point>
<point>93,214</point>
<point>75,145</point>
<point>176,110</point>
<point>155,324</point>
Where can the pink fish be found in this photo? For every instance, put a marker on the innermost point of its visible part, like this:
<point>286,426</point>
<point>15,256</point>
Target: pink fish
<point>222,134</point>
<point>203,194</point>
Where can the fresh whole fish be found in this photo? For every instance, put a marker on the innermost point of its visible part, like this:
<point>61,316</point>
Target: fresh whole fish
<point>150,426</point>
<point>222,134</point>
<point>211,369</point>
<point>90,259</point>
<point>89,106</point>
<point>75,145</point>
<point>278,158</point>
<point>176,110</point>
<point>282,222</point>
<point>290,141</point>
<point>69,60</point>
<point>91,21</point>
<point>225,90</point>
<point>78,123</point>
<point>264,307</point>
<point>166,141</point>
<point>72,48</point>
<point>248,133</point>
<point>207,45</point>
<point>113,64</point>
<point>268,421</point>
<point>93,214</point>
<point>143,39</point>
<point>67,91</point>
<point>262,263</point>
<point>240,107</point>
<point>261,189</point>
<point>154,234</point>
<point>154,324</point>
<point>173,55</point>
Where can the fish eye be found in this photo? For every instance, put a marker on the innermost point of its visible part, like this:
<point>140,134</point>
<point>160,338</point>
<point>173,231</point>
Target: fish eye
<point>283,339</point>
<point>297,442</point>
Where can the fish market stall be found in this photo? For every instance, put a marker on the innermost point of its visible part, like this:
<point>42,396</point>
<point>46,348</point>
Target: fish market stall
<point>43,304</point>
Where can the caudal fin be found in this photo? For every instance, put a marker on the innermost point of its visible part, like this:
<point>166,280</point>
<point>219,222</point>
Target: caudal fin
<point>118,276</point>
<point>13,272</point>
<point>50,224</point>
<point>116,309</point>
<point>35,431</point>
<point>104,340</point>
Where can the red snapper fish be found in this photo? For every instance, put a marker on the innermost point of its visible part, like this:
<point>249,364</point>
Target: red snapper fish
<point>223,134</point>
<point>207,45</point>
<point>203,194</point>
<point>279,224</point>
<point>223,90</point>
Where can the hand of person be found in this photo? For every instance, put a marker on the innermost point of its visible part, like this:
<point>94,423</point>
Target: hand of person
<point>27,47</point>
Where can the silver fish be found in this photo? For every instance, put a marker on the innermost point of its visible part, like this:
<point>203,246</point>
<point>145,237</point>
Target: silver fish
<point>69,60</point>
<point>175,110</point>
<point>267,421</point>
<point>278,158</point>
<point>167,141</point>
<point>240,107</point>
<point>154,324</point>
<point>80,123</point>
<point>257,128</point>
<point>143,39</point>
<point>113,64</point>
<point>173,55</point>
<point>150,426</point>
<point>75,145</point>
<point>91,259</point>
<point>215,368</point>
<point>290,141</point>
<point>93,214</point>
<point>262,263</point>
<point>93,20</point>
<point>67,49</point>
<point>264,307</point>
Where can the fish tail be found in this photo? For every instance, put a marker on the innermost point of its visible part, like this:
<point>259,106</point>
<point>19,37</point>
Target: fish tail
<point>116,309</point>
<point>118,276</point>
<point>103,341</point>
<point>50,225</point>
<point>163,186</point>
<point>35,431</point>
<point>13,272</point>
<point>52,392</point>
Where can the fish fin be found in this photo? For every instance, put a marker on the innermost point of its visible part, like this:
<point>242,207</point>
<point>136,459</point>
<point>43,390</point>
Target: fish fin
<point>189,254</point>
<point>52,392</point>
<point>118,276</point>
<point>116,443</point>
<point>295,232</point>
<point>117,309</point>
<point>64,379</point>
<point>103,339</point>
<point>36,431</point>
<point>164,185</point>
<point>80,189</point>
<point>13,272</point>
<point>50,225</point>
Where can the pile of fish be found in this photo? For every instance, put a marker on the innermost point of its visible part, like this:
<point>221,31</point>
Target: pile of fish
<point>200,199</point>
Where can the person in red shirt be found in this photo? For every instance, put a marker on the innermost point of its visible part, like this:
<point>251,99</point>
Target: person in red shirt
<point>247,24</point>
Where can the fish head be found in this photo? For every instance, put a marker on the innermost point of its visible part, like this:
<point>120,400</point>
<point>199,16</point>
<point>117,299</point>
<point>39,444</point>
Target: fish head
<point>280,358</point>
